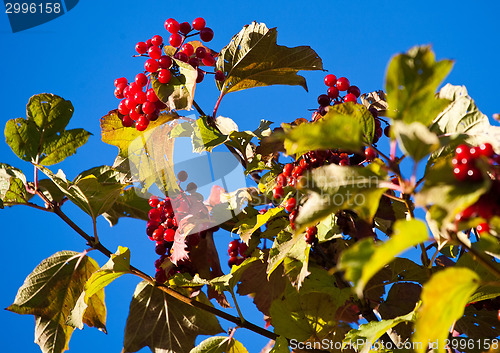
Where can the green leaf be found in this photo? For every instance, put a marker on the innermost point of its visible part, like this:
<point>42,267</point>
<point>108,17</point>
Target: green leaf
<point>206,137</point>
<point>131,203</point>
<point>346,126</point>
<point>94,190</point>
<point>411,83</point>
<point>248,226</point>
<point>484,291</point>
<point>42,138</point>
<point>163,323</point>
<point>219,344</point>
<point>310,312</point>
<point>364,259</point>
<point>253,59</point>
<point>280,346</point>
<point>178,93</point>
<point>369,333</point>
<point>444,298</point>
<point>117,265</point>
<point>415,139</point>
<point>333,188</point>
<point>12,186</point>
<point>51,291</point>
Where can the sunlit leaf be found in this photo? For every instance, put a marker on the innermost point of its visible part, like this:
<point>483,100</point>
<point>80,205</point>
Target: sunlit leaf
<point>253,59</point>
<point>411,83</point>
<point>415,139</point>
<point>131,203</point>
<point>249,226</point>
<point>219,344</point>
<point>444,298</point>
<point>12,186</point>
<point>346,126</point>
<point>280,345</point>
<point>364,259</point>
<point>165,324</point>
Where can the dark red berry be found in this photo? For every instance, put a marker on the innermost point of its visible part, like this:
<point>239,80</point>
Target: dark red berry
<point>460,172</point>
<point>343,84</point>
<point>310,234</point>
<point>200,52</point>
<point>199,23</point>
<point>290,204</point>
<point>219,76</point>
<point>206,34</point>
<point>233,260</point>
<point>127,122</point>
<point>165,62</point>
<point>278,192</point>
<point>201,76</point>
<point>332,92</point>
<point>160,276</point>
<point>184,28</point>
<point>474,174</point>
<point>323,100</point>
<point>354,90</point>
<point>370,154</point>
<point>208,60</point>
<point>387,131</point>
<point>233,245</point>
<point>191,187</point>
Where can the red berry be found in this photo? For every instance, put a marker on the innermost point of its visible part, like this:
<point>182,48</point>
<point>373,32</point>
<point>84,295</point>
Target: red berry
<point>120,80</point>
<point>172,25</point>
<point>297,171</point>
<point>483,228</point>
<point>200,52</point>
<point>157,40</point>
<point>233,245</point>
<point>175,40</point>
<point>160,276</point>
<point>181,56</point>
<point>219,76</point>
<point>188,49</point>
<point>127,122</point>
<point>343,84</point>
<point>287,170</point>
<point>182,175</point>
<point>460,172</point>
<point>208,60</point>
<point>323,100</point>
<point>165,62</point>
<point>164,76</point>
<point>354,90</point>
<point>193,239</point>
<point>201,76</point>
<point>141,79</point>
<point>242,249</point>
<point>462,152</point>
<point>140,97</point>
<point>474,174</point>
<point>387,131</point>
<point>154,52</point>
<point>206,34</point>
<point>278,192</point>
<point>290,204</point>
<point>349,97</point>
<point>142,123</point>
<point>148,107</point>
<point>194,62</point>
<point>119,93</point>
<point>333,92</point>
<point>160,248</point>
<point>233,260</point>
<point>486,149</point>
<point>344,162</point>
<point>154,201</point>
<point>151,65</point>
<point>310,235</point>
<point>154,214</point>
<point>370,154</point>
<point>199,23</point>
<point>151,95</point>
<point>330,80</point>
<point>158,234</point>
<point>169,234</point>
<point>184,28</point>
<point>141,47</point>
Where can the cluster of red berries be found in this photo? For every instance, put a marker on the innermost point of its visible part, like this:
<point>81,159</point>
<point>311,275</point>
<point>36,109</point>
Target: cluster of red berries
<point>139,104</point>
<point>332,96</point>
<point>486,207</point>
<point>378,126</point>
<point>464,163</point>
<point>234,248</point>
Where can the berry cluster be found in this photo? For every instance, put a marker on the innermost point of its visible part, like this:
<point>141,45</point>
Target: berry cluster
<point>464,163</point>
<point>236,247</point>
<point>332,96</point>
<point>139,104</point>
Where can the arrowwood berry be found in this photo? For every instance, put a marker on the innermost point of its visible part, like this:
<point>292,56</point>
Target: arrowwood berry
<point>151,95</point>
<point>349,97</point>
<point>219,76</point>
<point>290,204</point>
<point>323,100</point>
<point>354,90</point>
<point>206,34</point>
<point>181,56</point>
<point>127,122</point>
<point>332,92</point>
<point>200,52</point>
<point>154,201</point>
<point>278,192</point>
<point>194,62</point>
<point>188,49</point>
<point>164,76</point>
<point>343,84</point>
<point>140,97</point>
<point>141,79</point>
<point>154,52</point>
<point>154,214</point>
<point>201,76</point>
<point>175,40</point>
<point>151,65</point>
<point>148,107</point>
<point>370,154</point>
<point>172,26</point>
<point>141,47</point>
<point>142,123</point>
<point>157,40</point>
<point>165,62</point>
<point>199,23</point>
<point>208,60</point>
<point>483,228</point>
<point>184,28</point>
<point>169,234</point>
<point>119,93</point>
<point>330,80</point>
<point>120,80</point>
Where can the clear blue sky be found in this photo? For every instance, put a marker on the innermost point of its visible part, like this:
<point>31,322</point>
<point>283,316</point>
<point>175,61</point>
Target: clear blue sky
<point>78,56</point>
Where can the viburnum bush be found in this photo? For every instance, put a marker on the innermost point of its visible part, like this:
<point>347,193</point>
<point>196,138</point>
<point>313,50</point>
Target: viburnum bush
<point>315,234</point>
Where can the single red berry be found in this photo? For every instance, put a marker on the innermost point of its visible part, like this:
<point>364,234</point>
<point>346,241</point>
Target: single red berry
<point>175,40</point>
<point>483,228</point>
<point>199,23</point>
<point>158,234</point>
<point>219,76</point>
<point>172,26</point>
<point>169,234</point>
<point>194,62</point>
<point>242,249</point>
<point>486,149</point>
<point>460,172</point>
<point>387,131</point>
<point>149,43</point>
<point>323,100</point>
<point>141,79</point>
<point>160,248</point>
<point>344,162</point>
<point>184,28</point>
<point>287,169</point>
<point>354,90</point>
<point>278,192</point>
<point>141,47</point>
<point>310,234</point>
<point>122,108</point>
<point>349,97</point>
<point>193,239</point>
<point>370,154</point>
<point>281,179</point>
<point>343,84</point>
<point>154,214</point>
<point>290,204</point>
<point>154,201</point>
<point>148,107</point>
<point>462,152</point>
<point>157,40</point>
<point>154,52</point>
<point>160,276</point>
<point>151,95</point>
<point>165,62</point>
<point>474,174</point>
<point>164,76</point>
<point>303,163</point>
<point>330,80</point>
<point>142,123</point>
<point>233,245</point>
<point>127,122</point>
<point>119,93</point>
<point>200,52</point>
<point>201,76</point>
<point>208,60</point>
<point>151,65</point>
<point>206,34</point>
<point>140,97</point>
<point>181,56</point>
<point>297,171</point>
<point>332,92</point>
<point>188,49</point>
<point>379,132</point>
<point>120,80</point>
<point>233,260</point>
<point>182,176</point>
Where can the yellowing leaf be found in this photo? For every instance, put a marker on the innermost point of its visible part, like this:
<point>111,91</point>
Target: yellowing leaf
<point>444,298</point>
<point>253,59</point>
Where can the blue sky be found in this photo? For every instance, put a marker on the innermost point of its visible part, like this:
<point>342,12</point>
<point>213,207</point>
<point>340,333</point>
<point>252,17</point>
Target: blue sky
<point>78,56</point>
